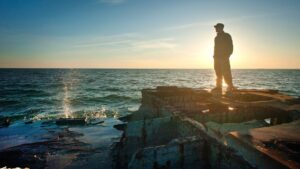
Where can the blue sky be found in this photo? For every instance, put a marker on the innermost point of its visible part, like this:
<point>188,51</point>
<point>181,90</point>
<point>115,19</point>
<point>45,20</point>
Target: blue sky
<point>147,34</point>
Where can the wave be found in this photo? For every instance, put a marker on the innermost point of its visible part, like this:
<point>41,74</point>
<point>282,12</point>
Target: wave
<point>55,85</point>
<point>113,98</point>
<point>12,117</point>
<point>8,102</point>
<point>32,111</point>
<point>46,116</point>
<point>109,89</point>
<point>26,92</point>
<point>92,114</point>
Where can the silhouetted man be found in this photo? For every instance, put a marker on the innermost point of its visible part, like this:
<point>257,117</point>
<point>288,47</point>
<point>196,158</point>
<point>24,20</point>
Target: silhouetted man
<point>222,51</point>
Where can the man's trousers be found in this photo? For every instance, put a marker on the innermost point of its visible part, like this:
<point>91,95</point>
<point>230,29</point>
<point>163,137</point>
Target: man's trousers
<point>223,70</point>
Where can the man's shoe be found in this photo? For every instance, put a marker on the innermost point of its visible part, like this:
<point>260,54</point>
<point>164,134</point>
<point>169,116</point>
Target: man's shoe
<point>231,89</point>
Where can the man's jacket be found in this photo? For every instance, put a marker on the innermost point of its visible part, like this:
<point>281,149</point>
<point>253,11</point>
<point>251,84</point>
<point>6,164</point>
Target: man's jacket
<point>223,45</point>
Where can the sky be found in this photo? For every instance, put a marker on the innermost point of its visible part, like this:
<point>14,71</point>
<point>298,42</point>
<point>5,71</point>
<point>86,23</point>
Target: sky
<point>147,33</point>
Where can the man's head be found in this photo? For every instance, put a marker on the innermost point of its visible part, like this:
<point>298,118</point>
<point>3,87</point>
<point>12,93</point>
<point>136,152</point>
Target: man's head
<point>219,27</point>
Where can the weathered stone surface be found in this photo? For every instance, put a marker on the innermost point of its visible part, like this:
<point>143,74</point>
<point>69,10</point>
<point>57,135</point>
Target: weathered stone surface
<point>280,142</point>
<point>179,153</point>
<point>192,128</point>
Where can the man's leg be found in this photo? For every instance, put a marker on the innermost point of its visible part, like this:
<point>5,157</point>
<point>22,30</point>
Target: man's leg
<point>218,70</point>
<point>227,72</point>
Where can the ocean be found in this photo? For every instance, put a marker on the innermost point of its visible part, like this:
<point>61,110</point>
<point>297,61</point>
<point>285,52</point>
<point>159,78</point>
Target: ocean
<point>31,98</point>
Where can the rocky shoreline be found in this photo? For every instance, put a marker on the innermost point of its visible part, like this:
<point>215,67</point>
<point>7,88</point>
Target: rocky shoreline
<point>194,128</point>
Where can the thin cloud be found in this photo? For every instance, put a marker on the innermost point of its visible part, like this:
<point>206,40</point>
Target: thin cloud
<point>225,20</point>
<point>105,41</point>
<point>129,41</point>
<point>155,44</point>
<point>112,2</point>
<point>186,26</point>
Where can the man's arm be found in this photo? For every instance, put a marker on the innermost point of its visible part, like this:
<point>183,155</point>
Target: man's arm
<point>230,45</point>
<point>215,50</point>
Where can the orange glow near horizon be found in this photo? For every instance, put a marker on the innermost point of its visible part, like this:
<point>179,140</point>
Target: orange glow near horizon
<point>193,53</point>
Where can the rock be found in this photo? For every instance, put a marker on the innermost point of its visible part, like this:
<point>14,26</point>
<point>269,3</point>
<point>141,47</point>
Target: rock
<point>120,127</point>
<point>6,122</point>
<point>95,122</point>
<point>71,121</point>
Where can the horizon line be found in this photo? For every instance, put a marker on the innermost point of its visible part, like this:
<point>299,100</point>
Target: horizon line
<point>144,68</point>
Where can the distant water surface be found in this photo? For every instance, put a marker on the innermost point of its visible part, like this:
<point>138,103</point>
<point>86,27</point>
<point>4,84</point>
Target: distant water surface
<point>51,93</point>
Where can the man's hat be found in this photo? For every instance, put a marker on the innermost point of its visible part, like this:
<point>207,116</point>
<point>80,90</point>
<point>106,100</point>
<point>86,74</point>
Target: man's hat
<point>219,25</point>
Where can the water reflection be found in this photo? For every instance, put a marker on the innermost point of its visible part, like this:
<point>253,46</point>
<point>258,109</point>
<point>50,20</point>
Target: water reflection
<point>66,103</point>
<point>68,82</point>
